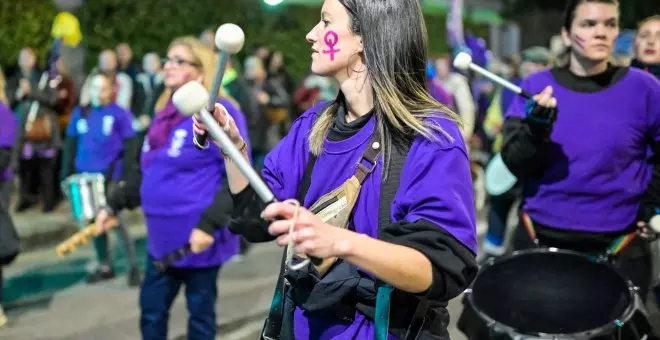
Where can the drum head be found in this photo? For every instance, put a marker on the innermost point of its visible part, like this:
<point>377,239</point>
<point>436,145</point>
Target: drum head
<point>551,292</point>
<point>498,177</point>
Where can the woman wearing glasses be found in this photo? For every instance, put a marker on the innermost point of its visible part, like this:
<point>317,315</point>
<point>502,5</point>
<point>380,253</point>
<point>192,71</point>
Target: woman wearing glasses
<point>178,187</point>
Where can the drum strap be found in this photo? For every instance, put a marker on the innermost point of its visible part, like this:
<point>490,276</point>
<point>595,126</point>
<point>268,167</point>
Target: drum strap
<point>614,249</point>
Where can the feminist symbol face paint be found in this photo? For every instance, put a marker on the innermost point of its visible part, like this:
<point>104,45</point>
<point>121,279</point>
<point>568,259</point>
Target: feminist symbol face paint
<point>331,39</point>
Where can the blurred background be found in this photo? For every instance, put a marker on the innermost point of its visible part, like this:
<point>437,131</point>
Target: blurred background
<point>47,297</point>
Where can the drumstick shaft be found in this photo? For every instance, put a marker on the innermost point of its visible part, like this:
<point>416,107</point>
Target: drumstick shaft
<point>494,77</point>
<point>82,236</point>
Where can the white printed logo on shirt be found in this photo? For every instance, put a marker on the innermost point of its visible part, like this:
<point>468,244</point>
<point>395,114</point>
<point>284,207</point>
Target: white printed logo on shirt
<point>177,143</point>
<point>108,123</point>
<point>81,126</point>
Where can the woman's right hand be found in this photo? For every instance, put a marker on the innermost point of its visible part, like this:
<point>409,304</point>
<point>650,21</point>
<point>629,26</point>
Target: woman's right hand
<point>543,107</point>
<point>225,121</point>
<point>545,98</point>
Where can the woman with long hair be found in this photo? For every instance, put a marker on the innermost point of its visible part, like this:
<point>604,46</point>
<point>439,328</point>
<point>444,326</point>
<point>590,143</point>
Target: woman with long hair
<point>8,236</point>
<point>336,159</point>
<point>580,147</point>
<point>178,188</point>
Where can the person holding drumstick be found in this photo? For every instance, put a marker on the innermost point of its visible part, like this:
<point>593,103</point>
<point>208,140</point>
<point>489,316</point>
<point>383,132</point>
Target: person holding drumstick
<point>100,139</point>
<point>425,248</point>
<point>178,188</point>
<point>580,147</point>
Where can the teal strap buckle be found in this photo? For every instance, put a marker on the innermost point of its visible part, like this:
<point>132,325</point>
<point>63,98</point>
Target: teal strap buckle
<point>382,315</point>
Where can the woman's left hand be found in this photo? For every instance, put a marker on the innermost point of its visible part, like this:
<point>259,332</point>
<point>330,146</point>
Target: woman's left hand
<point>312,236</point>
<point>200,241</point>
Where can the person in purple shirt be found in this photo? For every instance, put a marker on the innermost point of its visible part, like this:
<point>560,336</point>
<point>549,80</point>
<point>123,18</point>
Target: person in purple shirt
<point>580,146</point>
<point>100,139</point>
<point>425,248</point>
<point>179,190</point>
<point>9,246</point>
<point>647,46</point>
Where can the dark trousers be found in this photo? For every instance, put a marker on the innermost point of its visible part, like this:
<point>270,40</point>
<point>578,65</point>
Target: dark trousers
<point>498,212</point>
<point>38,176</point>
<point>159,290</point>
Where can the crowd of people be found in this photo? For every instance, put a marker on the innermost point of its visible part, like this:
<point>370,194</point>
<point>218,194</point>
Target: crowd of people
<point>402,118</point>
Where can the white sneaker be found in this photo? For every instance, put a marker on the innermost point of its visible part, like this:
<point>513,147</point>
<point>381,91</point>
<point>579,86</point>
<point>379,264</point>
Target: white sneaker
<point>3,318</point>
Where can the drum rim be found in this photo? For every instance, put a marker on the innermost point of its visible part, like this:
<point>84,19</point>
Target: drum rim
<point>494,324</point>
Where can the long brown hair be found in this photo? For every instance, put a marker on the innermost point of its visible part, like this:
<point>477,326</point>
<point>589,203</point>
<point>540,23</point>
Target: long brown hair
<point>207,60</point>
<point>395,54</point>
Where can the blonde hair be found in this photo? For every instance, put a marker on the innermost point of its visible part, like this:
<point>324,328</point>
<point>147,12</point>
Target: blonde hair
<point>3,86</point>
<point>647,20</point>
<point>207,60</point>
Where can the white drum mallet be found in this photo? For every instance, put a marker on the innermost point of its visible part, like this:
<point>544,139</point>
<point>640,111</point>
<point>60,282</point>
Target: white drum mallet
<point>654,223</point>
<point>229,38</point>
<point>463,61</point>
<point>190,99</point>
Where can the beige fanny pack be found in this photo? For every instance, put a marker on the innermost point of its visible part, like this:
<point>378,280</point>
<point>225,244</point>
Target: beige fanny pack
<point>335,207</point>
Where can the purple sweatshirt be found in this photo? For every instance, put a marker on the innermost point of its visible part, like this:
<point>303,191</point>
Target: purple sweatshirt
<point>8,130</point>
<point>101,135</point>
<point>435,186</point>
<point>179,183</point>
<point>598,170</point>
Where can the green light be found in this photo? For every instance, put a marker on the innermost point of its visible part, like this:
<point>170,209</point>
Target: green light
<point>273,2</point>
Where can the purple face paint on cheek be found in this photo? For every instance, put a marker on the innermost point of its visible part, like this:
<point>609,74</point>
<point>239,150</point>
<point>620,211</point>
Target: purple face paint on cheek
<point>579,41</point>
<point>331,39</point>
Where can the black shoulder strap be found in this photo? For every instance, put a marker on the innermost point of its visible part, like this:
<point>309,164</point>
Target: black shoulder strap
<point>390,185</point>
<point>388,188</point>
<point>273,325</point>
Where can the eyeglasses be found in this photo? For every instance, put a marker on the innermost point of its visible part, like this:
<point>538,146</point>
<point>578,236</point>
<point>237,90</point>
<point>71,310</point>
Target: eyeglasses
<point>178,61</point>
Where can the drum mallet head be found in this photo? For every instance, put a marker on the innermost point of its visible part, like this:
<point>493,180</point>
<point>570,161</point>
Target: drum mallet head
<point>229,38</point>
<point>190,98</point>
<point>463,61</point>
<point>654,223</point>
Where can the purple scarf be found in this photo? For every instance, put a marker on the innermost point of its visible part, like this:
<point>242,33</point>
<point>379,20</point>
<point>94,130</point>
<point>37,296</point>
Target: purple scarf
<point>164,121</point>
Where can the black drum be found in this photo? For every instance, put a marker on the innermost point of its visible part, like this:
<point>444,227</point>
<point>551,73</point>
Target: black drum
<point>552,294</point>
